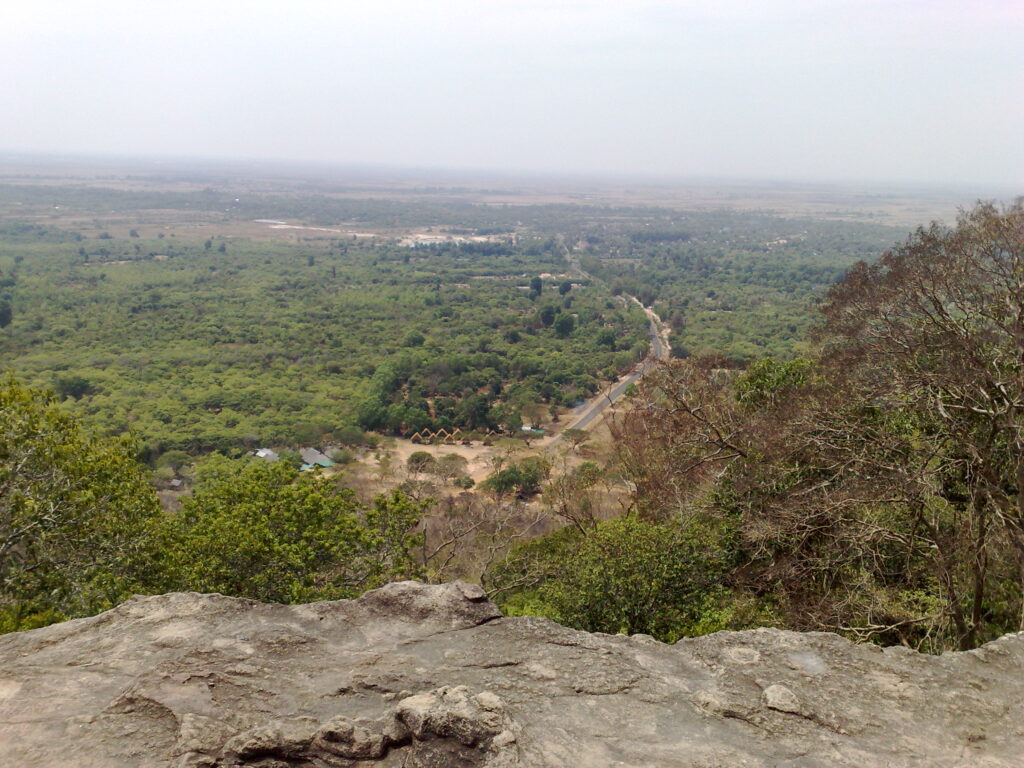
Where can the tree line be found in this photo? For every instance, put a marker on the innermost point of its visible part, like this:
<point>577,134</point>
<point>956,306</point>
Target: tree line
<point>874,488</point>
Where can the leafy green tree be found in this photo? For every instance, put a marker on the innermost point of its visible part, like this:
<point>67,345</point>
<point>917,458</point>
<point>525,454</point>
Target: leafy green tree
<point>351,436</point>
<point>75,512</point>
<point>564,287</point>
<point>290,457</point>
<point>342,456</point>
<point>576,437</point>
<point>523,478</point>
<point>450,466</point>
<point>474,412</point>
<point>175,459</point>
<point>263,530</point>
<point>623,575</point>
<point>420,461</point>
<point>72,386</point>
<point>564,325</point>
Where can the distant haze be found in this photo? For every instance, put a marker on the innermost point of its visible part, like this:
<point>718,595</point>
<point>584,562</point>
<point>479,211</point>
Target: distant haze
<point>929,91</point>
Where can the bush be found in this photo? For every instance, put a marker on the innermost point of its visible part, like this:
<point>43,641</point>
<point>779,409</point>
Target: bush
<point>351,436</point>
<point>625,575</point>
<point>342,456</point>
<point>265,531</point>
<point>420,461</point>
<point>75,514</point>
<point>523,478</point>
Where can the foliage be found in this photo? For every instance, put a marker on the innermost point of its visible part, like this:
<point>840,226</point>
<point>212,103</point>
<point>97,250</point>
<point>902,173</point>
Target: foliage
<point>738,284</point>
<point>297,344</point>
<point>876,488</point>
<point>81,528</point>
<point>199,350</point>
<point>450,466</point>
<point>625,575</point>
<point>576,437</point>
<point>523,478</point>
<point>75,387</point>
<point>74,513</point>
<point>420,461</point>
<point>262,530</point>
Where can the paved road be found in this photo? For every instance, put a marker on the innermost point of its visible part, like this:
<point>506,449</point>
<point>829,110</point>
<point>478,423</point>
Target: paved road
<point>600,403</point>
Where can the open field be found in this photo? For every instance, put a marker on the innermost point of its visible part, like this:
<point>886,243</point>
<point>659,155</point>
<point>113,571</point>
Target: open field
<point>902,206</point>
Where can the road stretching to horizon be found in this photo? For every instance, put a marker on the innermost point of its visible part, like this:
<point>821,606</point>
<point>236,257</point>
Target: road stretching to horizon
<point>600,403</point>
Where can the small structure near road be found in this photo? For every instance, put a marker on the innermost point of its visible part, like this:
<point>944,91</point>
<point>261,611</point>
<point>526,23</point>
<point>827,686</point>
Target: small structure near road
<point>313,459</point>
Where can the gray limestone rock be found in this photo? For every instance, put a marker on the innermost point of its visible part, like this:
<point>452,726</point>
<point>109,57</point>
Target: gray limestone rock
<point>433,676</point>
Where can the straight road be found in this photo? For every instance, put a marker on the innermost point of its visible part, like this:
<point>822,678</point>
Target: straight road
<point>600,403</point>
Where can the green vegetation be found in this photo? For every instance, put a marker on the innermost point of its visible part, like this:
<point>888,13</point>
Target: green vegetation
<point>873,488</point>
<point>81,529</point>
<point>74,511</point>
<point>624,575</point>
<point>860,472</point>
<point>738,285</point>
<point>197,350</point>
<point>523,478</point>
<point>219,344</point>
<point>268,532</point>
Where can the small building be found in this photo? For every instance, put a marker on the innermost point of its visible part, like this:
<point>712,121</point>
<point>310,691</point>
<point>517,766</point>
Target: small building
<point>267,454</point>
<point>313,456</point>
<point>313,459</point>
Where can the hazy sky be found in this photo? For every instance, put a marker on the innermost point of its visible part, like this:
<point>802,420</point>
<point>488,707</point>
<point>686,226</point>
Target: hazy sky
<point>931,90</point>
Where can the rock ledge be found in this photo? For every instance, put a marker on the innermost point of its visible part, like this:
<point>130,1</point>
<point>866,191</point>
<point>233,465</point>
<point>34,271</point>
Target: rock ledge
<point>430,676</point>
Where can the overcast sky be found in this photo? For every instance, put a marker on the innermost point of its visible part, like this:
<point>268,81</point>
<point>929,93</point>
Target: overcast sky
<point>923,91</point>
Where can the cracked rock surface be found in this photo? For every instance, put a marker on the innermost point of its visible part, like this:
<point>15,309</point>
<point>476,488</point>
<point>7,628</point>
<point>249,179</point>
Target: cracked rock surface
<point>430,676</point>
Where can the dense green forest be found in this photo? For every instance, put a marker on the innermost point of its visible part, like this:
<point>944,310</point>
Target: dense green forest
<point>864,478</point>
<point>739,285</point>
<point>219,343</point>
<point>210,345</point>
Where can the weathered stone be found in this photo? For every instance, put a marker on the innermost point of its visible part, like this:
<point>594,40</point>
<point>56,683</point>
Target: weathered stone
<point>432,677</point>
<point>781,699</point>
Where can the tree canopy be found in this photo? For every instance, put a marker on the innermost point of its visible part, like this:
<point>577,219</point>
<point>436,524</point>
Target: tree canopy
<point>81,528</point>
<point>877,488</point>
<point>74,512</point>
<point>264,530</point>
<point>873,487</point>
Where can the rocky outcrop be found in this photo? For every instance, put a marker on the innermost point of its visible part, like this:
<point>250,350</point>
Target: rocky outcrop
<point>421,676</point>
